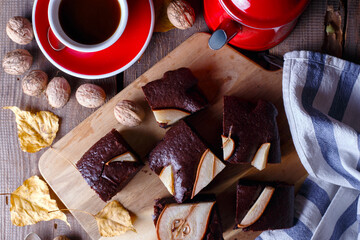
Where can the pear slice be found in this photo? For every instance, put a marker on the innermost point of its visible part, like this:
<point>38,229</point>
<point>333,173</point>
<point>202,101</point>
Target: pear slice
<point>167,177</point>
<point>125,157</point>
<point>228,147</point>
<point>258,208</point>
<point>209,166</point>
<point>169,116</point>
<point>184,221</point>
<point>260,159</point>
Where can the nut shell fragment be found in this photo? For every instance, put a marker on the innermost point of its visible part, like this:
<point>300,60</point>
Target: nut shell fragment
<point>19,30</point>
<point>58,92</point>
<point>17,62</point>
<point>129,113</point>
<point>34,83</point>
<point>90,95</point>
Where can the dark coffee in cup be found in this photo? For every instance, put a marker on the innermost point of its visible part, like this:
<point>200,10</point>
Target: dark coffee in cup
<point>89,21</point>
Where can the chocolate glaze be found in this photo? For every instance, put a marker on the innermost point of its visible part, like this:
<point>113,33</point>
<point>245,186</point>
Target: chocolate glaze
<point>279,212</point>
<point>107,180</point>
<point>252,125</point>
<point>214,230</point>
<point>183,149</point>
<point>177,90</point>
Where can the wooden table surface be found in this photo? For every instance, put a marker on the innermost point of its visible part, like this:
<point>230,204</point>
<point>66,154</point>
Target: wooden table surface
<point>16,166</point>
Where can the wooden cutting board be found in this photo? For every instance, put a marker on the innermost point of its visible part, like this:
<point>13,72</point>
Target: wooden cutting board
<point>222,72</point>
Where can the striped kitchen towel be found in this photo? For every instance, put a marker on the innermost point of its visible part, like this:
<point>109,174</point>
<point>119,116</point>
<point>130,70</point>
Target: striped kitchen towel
<point>322,103</point>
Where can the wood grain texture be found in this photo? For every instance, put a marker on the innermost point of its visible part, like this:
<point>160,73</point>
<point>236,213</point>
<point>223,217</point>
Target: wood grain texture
<point>351,49</point>
<point>222,72</point>
<point>163,43</point>
<point>308,33</point>
<point>15,165</point>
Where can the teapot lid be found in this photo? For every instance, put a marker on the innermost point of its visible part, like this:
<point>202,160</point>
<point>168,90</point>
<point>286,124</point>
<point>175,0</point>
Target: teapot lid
<point>264,13</point>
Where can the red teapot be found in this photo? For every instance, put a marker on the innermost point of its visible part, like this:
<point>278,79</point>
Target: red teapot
<point>251,24</point>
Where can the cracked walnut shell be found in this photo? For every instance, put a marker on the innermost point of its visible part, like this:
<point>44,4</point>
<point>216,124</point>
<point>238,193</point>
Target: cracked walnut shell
<point>129,113</point>
<point>19,30</point>
<point>17,62</point>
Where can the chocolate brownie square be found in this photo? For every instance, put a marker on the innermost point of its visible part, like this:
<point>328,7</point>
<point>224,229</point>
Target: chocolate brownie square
<point>183,162</point>
<point>212,230</point>
<point>174,96</point>
<point>109,165</point>
<point>250,126</point>
<point>277,202</point>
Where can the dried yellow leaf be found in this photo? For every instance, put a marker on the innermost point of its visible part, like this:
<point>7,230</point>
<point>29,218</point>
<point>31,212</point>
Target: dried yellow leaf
<point>162,22</point>
<point>113,220</point>
<point>31,203</point>
<point>35,130</point>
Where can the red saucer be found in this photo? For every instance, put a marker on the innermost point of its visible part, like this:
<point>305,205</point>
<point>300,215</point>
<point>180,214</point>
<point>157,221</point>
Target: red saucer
<point>108,62</point>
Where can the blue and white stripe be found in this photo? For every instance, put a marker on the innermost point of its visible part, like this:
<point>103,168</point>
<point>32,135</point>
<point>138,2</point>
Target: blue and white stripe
<point>322,103</point>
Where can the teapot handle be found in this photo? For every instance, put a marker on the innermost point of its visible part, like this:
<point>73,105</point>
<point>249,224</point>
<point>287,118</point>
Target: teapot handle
<point>227,29</point>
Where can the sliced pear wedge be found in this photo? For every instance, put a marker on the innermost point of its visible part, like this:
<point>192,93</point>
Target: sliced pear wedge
<point>260,159</point>
<point>209,166</point>
<point>169,116</point>
<point>167,177</point>
<point>258,208</point>
<point>228,147</point>
<point>184,221</point>
<point>125,157</point>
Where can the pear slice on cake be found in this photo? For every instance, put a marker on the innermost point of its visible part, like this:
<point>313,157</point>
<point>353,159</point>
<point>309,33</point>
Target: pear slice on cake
<point>174,96</point>
<point>184,221</point>
<point>249,129</point>
<point>264,206</point>
<point>183,162</point>
<point>169,116</point>
<point>209,167</point>
<point>228,147</point>
<point>260,159</point>
<point>125,157</point>
<point>258,208</point>
<point>167,177</point>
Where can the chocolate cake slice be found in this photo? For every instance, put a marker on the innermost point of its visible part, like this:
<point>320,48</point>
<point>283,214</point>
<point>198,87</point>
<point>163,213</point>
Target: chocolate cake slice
<point>264,206</point>
<point>250,132</point>
<point>180,223</point>
<point>109,165</point>
<point>183,162</point>
<point>174,96</point>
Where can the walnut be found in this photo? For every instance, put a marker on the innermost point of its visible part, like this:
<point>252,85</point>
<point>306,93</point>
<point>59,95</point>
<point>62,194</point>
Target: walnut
<point>90,95</point>
<point>181,14</point>
<point>19,30</point>
<point>58,92</point>
<point>129,113</point>
<point>17,62</point>
<point>34,83</point>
